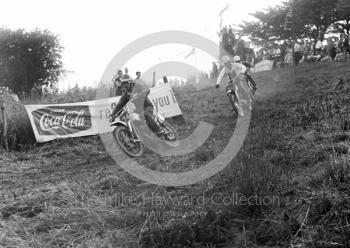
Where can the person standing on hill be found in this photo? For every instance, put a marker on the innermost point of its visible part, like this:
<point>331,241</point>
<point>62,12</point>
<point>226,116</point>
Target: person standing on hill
<point>126,77</point>
<point>117,82</point>
<point>45,89</point>
<point>214,71</point>
<point>298,53</point>
<point>345,44</point>
<point>232,40</point>
<point>331,49</point>
<point>312,47</point>
<point>126,80</point>
<point>318,47</point>
<point>138,75</point>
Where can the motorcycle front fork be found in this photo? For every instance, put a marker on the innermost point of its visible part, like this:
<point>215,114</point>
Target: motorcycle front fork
<point>135,137</point>
<point>232,98</point>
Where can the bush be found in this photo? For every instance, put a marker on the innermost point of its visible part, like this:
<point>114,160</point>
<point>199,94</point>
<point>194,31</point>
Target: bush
<point>20,132</point>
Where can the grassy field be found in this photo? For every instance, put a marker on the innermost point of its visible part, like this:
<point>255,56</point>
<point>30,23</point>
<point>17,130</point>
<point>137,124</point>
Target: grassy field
<point>70,193</point>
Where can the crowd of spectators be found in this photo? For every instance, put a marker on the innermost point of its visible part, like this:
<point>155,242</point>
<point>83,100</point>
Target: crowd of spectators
<point>333,48</point>
<point>306,51</point>
<point>123,81</point>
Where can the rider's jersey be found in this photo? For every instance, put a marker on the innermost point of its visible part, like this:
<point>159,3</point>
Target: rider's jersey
<point>126,78</point>
<point>140,87</point>
<point>236,70</point>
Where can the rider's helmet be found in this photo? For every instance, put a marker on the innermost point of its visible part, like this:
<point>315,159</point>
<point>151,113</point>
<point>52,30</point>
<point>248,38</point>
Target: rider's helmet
<point>237,59</point>
<point>225,60</point>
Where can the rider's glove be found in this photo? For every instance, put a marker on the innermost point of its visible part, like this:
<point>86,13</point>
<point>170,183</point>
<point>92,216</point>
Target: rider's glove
<point>111,118</point>
<point>217,86</point>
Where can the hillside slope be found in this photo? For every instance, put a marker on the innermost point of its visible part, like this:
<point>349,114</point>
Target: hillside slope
<point>70,193</point>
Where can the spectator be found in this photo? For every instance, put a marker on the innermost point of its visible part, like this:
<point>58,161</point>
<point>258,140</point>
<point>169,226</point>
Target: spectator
<point>331,49</point>
<point>307,48</point>
<point>298,53</point>
<point>230,30</point>
<point>45,89</point>
<point>345,44</point>
<point>318,46</point>
<point>283,48</point>
<point>117,78</point>
<point>117,82</point>
<point>126,77</point>
<point>288,59</point>
<point>138,75</point>
<point>232,39</point>
<point>227,44</point>
<point>312,48</point>
<point>250,56</point>
<point>126,81</point>
<point>214,71</point>
<point>336,42</point>
<point>339,44</point>
<point>51,89</point>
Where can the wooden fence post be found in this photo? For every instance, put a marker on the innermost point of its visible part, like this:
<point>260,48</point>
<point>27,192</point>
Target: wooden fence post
<point>4,124</point>
<point>154,79</point>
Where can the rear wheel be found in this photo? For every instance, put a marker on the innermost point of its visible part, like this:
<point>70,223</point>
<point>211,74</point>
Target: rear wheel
<point>167,132</point>
<point>127,142</point>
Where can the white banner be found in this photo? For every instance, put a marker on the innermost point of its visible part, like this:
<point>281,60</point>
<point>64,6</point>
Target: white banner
<point>164,101</point>
<point>55,121</point>
<point>265,65</point>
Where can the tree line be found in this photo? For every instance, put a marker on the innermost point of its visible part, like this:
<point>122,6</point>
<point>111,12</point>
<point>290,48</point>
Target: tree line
<point>299,19</point>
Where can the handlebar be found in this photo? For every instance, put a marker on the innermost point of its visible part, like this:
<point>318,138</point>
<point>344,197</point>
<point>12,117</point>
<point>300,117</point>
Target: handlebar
<point>119,113</point>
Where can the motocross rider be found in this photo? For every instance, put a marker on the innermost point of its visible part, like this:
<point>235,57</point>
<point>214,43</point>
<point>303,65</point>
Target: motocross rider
<point>232,71</point>
<point>137,88</point>
<point>237,59</point>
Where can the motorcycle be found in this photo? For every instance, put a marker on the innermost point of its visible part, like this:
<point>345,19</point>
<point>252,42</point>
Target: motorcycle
<point>232,92</point>
<point>233,98</point>
<point>127,136</point>
<point>251,87</point>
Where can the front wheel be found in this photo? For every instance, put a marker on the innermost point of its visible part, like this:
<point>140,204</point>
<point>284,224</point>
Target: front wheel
<point>127,142</point>
<point>168,132</point>
<point>234,102</point>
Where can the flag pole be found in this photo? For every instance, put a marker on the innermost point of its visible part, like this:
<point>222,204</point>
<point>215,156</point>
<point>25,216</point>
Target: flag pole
<point>220,27</point>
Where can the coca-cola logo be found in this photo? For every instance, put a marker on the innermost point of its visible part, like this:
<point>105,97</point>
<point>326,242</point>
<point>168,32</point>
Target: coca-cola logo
<point>62,120</point>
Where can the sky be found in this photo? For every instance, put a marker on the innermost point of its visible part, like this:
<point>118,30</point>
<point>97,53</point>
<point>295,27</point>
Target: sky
<point>93,32</point>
